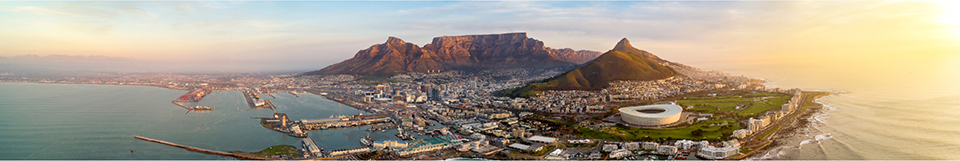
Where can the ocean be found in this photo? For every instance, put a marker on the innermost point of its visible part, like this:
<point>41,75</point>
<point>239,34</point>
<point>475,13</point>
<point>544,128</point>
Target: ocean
<point>80,121</point>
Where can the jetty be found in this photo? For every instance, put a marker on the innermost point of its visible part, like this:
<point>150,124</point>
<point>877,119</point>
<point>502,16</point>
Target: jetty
<point>254,101</point>
<point>220,153</point>
<point>181,105</point>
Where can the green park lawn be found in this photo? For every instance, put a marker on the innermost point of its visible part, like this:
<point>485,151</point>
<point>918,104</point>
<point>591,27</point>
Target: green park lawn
<point>754,102</point>
<point>631,133</point>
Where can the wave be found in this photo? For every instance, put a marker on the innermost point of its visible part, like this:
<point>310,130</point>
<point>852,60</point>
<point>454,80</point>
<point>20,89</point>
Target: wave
<point>809,133</point>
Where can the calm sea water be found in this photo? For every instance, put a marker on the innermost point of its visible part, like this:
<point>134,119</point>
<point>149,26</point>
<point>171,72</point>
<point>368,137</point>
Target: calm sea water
<point>70,121</point>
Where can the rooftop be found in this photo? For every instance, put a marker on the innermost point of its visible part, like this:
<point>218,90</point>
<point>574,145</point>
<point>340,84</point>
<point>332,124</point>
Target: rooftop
<point>543,139</point>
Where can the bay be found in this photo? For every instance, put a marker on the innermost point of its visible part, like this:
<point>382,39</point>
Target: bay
<point>78,121</point>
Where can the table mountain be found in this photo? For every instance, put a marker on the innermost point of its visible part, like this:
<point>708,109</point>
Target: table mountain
<point>468,52</point>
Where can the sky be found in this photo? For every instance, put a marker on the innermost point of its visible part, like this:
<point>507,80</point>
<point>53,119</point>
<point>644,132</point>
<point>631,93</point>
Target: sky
<point>309,35</point>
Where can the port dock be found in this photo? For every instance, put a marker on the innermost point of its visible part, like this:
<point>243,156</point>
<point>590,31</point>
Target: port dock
<point>255,102</point>
<point>341,123</point>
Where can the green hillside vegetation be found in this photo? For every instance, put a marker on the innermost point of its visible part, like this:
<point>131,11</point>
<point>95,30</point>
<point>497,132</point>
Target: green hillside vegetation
<point>597,74</point>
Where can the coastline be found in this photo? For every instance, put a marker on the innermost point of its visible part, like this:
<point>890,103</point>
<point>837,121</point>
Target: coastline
<point>798,133</point>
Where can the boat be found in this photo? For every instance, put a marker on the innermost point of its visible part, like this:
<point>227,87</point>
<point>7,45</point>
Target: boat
<point>403,136</point>
<point>366,140</point>
<point>201,108</point>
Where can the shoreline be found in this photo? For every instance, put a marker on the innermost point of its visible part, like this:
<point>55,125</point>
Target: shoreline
<point>798,131</point>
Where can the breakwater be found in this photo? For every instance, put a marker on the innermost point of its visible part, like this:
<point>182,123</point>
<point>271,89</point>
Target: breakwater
<point>220,153</point>
<point>181,105</point>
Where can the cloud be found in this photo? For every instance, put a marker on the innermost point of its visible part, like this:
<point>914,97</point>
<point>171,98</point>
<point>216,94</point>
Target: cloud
<point>268,23</point>
<point>184,7</point>
<point>143,14</point>
<point>90,27</point>
<point>45,11</point>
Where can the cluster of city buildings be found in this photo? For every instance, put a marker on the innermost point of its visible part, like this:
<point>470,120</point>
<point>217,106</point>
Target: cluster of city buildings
<point>704,149</point>
<point>759,124</point>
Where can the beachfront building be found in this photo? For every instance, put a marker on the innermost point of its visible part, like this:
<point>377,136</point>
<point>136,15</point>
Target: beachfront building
<point>610,147</point>
<point>667,150</point>
<point>742,133</point>
<point>684,144</point>
<point>711,152</point>
<point>619,154</point>
<point>631,146</point>
<point>756,125</point>
<point>650,145</point>
<point>472,145</point>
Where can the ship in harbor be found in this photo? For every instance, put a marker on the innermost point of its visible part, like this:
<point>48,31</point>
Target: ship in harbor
<point>366,141</point>
<point>402,135</point>
<point>201,108</point>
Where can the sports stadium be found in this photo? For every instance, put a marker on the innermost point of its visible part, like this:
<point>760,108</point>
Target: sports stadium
<point>651,115</point>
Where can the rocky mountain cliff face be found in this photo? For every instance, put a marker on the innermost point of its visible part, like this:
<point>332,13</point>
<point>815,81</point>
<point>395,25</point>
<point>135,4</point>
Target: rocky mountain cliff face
<point>579,57</point>
<point>469,52</point>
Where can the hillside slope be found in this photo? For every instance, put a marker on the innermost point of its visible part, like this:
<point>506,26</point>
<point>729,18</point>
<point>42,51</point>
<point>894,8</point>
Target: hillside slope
<point>622,63</point>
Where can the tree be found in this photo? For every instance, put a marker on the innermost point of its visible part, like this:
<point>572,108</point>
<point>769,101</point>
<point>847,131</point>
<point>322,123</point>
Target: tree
<point>697,132</point>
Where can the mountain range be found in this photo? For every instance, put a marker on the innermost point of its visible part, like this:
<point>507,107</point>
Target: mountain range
<point>623,62</point>
<point>590,70</point>
<point>467,52</point>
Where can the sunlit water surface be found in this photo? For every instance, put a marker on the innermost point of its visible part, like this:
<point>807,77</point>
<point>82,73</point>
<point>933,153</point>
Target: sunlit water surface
<point>71,121</point>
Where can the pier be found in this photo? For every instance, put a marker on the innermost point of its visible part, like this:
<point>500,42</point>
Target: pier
<point>220,153</point>
<point>190,108</point>
<point>181,105</point>
<point>337,123</point>
<point>254,101</point>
